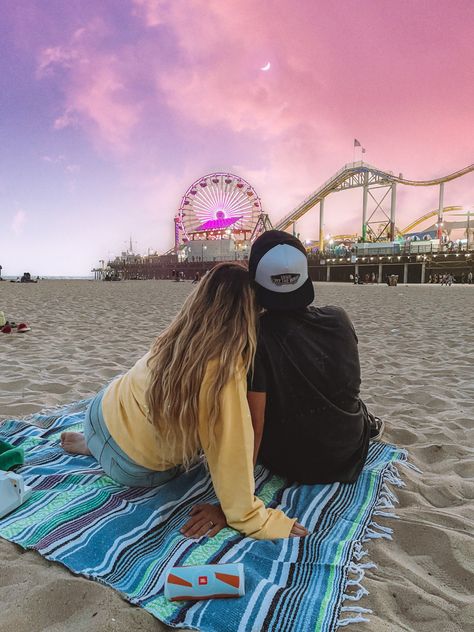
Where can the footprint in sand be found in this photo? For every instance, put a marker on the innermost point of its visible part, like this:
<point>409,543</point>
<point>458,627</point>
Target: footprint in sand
<point>465,468</point>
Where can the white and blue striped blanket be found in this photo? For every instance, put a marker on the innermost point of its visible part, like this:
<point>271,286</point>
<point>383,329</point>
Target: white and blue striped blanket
<point>128,538</point>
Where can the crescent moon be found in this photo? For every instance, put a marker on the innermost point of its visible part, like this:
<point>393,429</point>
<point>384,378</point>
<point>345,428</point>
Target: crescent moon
<point>266,67</point>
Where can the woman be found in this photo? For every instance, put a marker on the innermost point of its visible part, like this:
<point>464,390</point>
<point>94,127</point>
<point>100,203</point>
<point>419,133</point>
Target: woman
<point>186,396</point>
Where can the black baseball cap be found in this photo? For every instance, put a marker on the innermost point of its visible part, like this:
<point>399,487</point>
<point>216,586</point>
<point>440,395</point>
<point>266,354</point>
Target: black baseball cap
<point>278,267</point>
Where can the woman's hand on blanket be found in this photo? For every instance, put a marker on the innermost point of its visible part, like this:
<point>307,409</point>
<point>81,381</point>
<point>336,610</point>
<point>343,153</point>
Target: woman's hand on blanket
<point>206,519</point>
<point>298,531</point>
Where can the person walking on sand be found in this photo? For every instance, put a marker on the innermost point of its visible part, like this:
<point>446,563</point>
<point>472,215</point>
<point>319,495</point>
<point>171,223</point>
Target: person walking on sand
<point>469,277</point>
<point>185,397</point>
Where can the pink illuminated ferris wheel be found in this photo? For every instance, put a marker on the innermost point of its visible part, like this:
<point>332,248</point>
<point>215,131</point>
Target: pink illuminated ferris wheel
<point>217,204</point>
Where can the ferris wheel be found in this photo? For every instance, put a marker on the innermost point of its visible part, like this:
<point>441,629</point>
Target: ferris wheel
<point>217,202</point>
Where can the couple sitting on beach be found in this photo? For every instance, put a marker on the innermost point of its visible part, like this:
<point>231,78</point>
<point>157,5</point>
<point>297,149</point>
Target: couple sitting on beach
<point>225,382</point>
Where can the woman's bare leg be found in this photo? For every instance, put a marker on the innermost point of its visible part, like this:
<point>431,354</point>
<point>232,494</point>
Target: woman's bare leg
<point>74,443</point>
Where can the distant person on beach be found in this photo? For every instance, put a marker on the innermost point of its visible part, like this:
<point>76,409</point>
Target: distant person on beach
<point>185,397</point>
<point>469,278</point>
<point>26,278</point>
<point>196,278</point>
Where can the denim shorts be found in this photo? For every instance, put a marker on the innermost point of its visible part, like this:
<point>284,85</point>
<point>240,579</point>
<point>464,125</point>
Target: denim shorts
<point>113,460</point>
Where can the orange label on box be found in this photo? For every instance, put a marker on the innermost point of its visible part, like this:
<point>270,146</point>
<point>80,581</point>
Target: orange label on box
<point>232,580</point>
<point>174,579</point>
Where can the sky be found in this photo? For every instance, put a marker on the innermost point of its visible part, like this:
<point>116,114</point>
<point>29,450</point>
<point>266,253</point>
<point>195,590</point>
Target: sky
<point>110,109</point>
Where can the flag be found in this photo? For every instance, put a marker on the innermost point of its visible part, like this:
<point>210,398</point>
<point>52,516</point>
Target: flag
<point>356,143</point>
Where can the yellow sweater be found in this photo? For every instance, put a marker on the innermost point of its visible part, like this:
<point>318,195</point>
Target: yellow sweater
<point>230,458</point>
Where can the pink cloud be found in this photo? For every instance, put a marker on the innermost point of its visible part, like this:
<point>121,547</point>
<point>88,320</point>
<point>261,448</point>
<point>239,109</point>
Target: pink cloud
<point>99,97</point>
<point>67,119</point>
<point>153,12</point>
<point>96,95</point>
<point>54,57</point>
<point>345,69</point>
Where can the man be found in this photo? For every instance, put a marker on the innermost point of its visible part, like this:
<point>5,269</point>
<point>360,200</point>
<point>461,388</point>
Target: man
<point>310,423</point>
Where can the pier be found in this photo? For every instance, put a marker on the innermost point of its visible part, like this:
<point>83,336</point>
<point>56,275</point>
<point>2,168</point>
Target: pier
<point>221,214</point>
<point>410,268</point>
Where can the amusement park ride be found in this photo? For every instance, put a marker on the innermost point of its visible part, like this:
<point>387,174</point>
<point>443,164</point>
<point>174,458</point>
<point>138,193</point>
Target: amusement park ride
<point>221,214</point>
<point>222,207</point>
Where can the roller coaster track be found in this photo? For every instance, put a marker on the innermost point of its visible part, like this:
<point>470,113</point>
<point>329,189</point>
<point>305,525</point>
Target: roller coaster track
<point>350,176</point>
<point>429,215</point>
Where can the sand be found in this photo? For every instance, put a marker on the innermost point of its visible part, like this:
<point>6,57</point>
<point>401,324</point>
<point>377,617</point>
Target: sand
<point>417,357</point>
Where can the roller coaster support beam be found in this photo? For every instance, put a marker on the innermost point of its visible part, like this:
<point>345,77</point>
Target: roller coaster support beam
<point>440,210</point>
<point>468,229</point>
<point>393,207</point>
<point>364,205</point>
<point>321,225</point>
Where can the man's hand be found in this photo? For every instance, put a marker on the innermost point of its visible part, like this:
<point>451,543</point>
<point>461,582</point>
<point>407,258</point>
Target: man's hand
<point>298,531</point>
<point>206,519</point>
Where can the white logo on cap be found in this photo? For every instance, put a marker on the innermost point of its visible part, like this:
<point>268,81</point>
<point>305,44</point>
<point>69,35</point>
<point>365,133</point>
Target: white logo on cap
<point>282,269</point>
<point>284,279</point>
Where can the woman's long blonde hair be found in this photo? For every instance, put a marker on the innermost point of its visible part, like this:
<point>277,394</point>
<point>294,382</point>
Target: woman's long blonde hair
<point>217,321</point>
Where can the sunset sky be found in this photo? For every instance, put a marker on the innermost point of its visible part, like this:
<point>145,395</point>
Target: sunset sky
<point>110,109</point>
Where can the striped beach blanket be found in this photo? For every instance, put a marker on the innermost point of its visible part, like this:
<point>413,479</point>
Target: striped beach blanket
<point>128,538</point>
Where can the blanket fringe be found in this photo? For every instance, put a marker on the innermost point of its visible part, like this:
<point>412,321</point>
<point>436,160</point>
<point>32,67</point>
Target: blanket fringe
<point>356,570</point>
<point>357,619</point>
<point>53,413</point>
